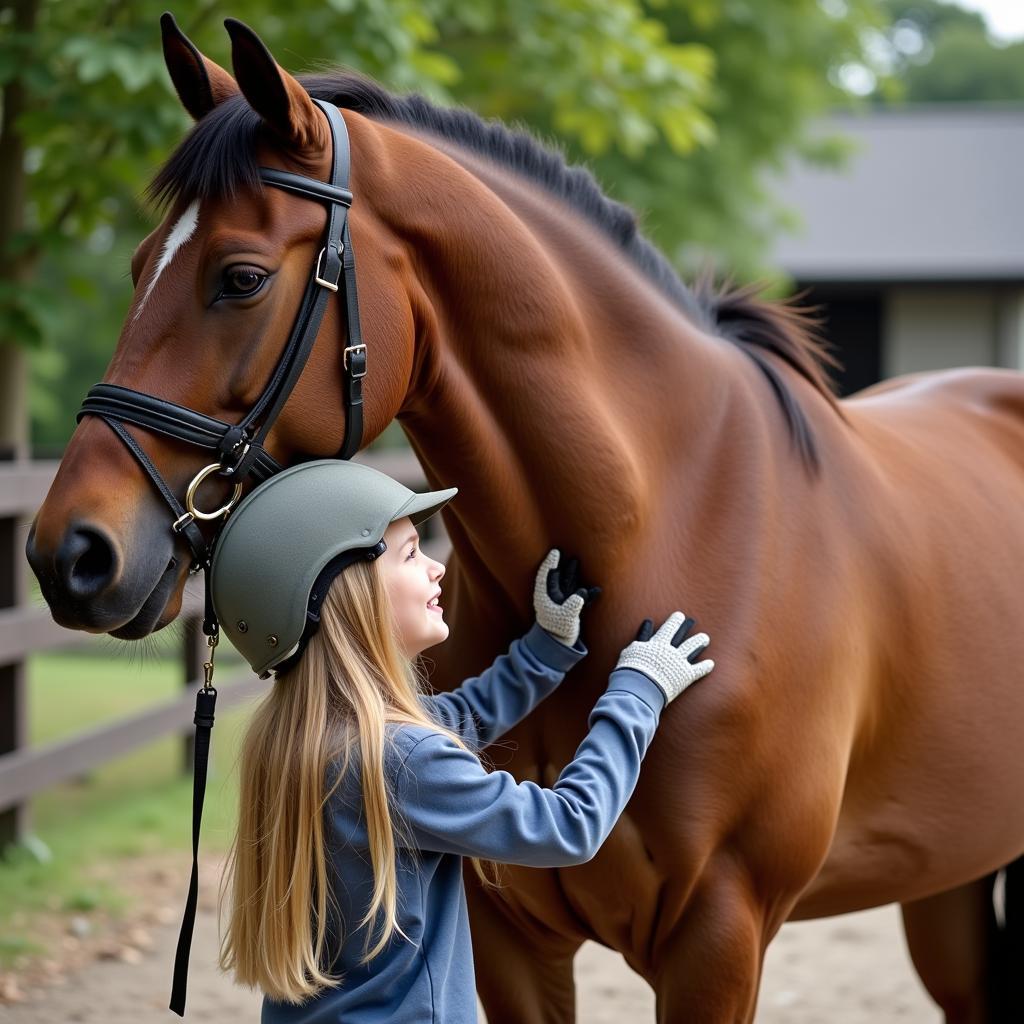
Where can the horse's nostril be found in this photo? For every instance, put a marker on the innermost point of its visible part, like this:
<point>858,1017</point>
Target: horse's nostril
<point>86,562</point>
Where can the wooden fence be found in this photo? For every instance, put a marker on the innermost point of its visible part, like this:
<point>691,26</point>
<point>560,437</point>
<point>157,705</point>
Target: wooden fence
<point>27,628</point>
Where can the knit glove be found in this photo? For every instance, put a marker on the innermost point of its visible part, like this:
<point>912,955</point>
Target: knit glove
<point>558,598</point>
<point>668,657</point>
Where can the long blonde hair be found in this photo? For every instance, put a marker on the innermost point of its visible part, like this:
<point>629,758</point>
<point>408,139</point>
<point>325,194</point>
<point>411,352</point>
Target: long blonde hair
<point>351,680</point>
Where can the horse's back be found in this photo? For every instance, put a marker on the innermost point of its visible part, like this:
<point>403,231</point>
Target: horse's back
<point>995,391</point>
<point>968,420</point>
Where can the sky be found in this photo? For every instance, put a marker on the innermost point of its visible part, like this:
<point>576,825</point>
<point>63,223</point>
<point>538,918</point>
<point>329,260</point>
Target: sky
<point>1005,17</point>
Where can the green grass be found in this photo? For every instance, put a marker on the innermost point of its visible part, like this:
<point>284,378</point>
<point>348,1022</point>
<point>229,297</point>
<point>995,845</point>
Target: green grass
<point>135,804</point>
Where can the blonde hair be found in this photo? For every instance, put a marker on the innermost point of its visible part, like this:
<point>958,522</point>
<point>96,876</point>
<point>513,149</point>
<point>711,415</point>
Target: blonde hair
<point>351,680</point>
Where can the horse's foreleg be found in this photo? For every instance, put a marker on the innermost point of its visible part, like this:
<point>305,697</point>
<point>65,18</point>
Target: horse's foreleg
<point>709,969</point>
<point>950,940</point>
<point>523,969</point>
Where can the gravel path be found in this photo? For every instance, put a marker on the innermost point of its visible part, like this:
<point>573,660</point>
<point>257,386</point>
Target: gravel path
<point>852,970</point>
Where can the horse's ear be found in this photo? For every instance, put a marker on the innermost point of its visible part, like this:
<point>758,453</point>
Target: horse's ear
<point>273,93</point>
<point>200,83</point>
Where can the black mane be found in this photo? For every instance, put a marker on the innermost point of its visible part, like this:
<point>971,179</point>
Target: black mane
<point>218,158</point>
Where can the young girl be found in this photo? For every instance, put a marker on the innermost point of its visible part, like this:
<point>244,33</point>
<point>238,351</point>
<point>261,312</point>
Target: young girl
<point>361,792</point>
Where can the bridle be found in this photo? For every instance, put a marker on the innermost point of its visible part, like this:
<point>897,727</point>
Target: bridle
<point>239,447</point>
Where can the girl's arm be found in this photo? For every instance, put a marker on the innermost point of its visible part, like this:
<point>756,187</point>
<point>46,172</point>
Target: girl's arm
<point>486,706</point>
<point>453,805</point>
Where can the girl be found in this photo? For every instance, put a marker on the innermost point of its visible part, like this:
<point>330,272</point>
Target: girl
<point>361,792</point>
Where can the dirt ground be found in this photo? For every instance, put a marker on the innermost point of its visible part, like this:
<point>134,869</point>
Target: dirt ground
<point>843,970</point>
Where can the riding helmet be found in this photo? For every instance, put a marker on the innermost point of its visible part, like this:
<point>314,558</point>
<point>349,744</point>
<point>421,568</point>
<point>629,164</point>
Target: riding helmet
<point>289,538</point>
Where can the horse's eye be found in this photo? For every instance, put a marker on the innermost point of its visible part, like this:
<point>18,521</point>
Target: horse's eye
<point>241,281</point>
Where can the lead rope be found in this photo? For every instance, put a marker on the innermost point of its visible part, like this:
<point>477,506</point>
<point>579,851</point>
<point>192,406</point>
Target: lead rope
<point>206,699</point>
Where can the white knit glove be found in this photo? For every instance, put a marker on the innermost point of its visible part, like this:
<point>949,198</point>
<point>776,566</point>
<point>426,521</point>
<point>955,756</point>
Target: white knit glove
<point>558,598</point>
<point>666,657</point>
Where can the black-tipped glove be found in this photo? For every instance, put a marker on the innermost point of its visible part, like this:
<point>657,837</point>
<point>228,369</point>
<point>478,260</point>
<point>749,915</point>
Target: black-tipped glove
<point>668,657</point>
<point>558,597</point>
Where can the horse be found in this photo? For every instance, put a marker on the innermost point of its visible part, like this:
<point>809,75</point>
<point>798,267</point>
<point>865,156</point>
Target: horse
<point>855,560</point>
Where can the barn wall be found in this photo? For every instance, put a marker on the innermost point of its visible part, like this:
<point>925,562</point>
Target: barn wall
<point>1010,328</point>
<point>931,328</point>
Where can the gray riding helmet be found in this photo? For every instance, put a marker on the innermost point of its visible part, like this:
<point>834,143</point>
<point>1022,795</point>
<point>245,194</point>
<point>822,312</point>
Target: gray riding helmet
<point>296,530</point>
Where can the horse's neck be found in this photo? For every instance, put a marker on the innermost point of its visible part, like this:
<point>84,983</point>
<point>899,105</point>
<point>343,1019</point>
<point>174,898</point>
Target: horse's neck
<point>556,385</point>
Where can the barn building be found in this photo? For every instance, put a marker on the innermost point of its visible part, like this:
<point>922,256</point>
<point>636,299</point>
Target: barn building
<point>915,249</point>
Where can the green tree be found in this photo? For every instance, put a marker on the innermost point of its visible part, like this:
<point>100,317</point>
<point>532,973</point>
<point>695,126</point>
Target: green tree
<point>776,69</point>
<point>942,53</point>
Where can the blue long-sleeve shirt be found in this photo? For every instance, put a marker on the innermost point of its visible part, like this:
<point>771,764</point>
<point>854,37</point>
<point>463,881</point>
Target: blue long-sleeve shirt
<point>454,808</point>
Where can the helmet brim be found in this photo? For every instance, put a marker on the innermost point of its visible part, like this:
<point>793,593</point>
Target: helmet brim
<point>421,507</point>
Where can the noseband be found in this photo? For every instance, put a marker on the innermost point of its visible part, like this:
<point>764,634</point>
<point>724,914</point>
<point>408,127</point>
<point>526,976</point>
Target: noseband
<point>239,447</point>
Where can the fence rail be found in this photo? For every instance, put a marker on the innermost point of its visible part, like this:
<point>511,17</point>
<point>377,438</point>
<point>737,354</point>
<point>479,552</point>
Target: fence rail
<point>27,629</point>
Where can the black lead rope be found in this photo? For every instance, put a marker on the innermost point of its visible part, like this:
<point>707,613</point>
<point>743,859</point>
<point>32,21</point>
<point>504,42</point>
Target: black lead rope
<point>206,699</point>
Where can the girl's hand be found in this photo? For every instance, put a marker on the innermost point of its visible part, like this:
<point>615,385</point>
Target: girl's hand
<point>668,657</point>
<point>558,598</point>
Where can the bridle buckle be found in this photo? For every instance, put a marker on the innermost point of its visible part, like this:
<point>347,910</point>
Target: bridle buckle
<point>229,470</point>
<point>181,522</point>
<point>344,359</point>
<point>319,278</point>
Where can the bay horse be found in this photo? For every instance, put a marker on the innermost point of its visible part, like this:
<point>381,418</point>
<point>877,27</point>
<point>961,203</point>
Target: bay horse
<point>856,561</point>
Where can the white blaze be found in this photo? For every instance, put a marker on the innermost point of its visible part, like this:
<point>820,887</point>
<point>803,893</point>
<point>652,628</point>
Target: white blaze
<point>176,238</point>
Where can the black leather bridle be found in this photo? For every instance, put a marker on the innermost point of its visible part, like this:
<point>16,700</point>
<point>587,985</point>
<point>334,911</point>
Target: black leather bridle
<point>239,447</point>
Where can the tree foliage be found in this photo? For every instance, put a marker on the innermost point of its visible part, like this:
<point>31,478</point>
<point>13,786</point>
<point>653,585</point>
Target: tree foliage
<point>942,53</point>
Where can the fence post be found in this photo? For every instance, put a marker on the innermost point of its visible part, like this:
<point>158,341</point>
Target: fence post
<point>14,821</point>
